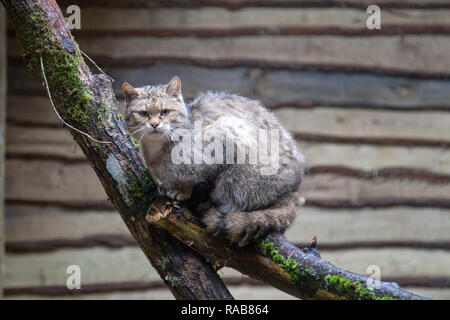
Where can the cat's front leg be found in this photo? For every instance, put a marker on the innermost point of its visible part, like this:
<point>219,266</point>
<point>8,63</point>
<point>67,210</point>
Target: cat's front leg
<point>180,193</point>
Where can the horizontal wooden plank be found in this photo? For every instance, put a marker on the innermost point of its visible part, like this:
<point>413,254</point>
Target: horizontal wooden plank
<point>121,241</point>
<point>34,223</point>
<point>29,229</point>
<point>238,292</point>
<point>100,205</point>
<point>124,286</point>
<point>274,87</point>
<point>370,225</point>
<point>36,180</point>
<point>329,186</point>
<point>54,143</point>
<point>336,203</point>
<point>409,55</point>
<point>214,22</point>
<point>100,265</point>
<point>116,241</point>
<point>153,294</point>
<point>239,4</point>
<point>57,143</point>
<point>392,261</point>
<point>366,123</point>
<point>373,158</point>
<point>23,142</point>
<point>97,265</point>
<point>52,181</point>
<point>387,30</point>
<point>388,141</point>
<point>350,90</point>
<point>354,123</point>
<point>31,110</point>
<point>443,144</point>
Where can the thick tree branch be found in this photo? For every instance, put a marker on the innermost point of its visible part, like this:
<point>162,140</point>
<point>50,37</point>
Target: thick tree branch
<point>274,260</point>
<point>87,102</point>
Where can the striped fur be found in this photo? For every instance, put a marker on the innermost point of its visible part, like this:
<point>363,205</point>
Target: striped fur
<point>242,227</point>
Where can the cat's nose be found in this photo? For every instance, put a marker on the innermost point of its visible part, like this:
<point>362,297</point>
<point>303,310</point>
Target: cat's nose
<point>154,124</point>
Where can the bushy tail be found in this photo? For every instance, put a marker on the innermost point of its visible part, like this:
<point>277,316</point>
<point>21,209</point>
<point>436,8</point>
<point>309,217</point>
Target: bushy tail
<point>242,227</point>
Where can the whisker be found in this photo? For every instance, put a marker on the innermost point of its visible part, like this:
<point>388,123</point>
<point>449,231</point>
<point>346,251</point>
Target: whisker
<point>168,133</point>
<point>131,127</point>
<point>172,136</point>
<point>169,138</point>
<point>138,130</point>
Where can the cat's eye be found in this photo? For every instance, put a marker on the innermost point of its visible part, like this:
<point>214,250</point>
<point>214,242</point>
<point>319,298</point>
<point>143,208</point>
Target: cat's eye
<point>143,113</point>
<point>165,112</point>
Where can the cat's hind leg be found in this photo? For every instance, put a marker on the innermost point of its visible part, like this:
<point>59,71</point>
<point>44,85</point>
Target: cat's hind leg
<point>241,188</point>
<point>242,227</point>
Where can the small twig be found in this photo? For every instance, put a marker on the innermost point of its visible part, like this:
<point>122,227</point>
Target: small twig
<point>313,242</point>
<point>87,57</point>
<point>56,111</point>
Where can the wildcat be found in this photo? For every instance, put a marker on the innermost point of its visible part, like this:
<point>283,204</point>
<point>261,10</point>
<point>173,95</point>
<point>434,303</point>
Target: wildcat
<point>246,203</point>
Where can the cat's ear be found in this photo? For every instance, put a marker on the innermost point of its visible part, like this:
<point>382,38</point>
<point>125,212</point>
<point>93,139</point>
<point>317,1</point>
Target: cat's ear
<point>129,92</point>
<point>174,87</point>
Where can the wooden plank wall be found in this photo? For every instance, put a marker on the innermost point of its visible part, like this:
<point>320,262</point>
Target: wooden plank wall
<point>369,109</point>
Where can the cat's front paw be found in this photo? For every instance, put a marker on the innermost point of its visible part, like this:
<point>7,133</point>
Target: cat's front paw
<point>177,194</point>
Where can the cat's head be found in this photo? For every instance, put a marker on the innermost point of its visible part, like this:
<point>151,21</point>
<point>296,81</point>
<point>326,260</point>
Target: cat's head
<point>154,112</point>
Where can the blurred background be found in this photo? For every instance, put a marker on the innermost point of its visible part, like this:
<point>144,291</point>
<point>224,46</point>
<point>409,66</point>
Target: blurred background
<point>370,110</point>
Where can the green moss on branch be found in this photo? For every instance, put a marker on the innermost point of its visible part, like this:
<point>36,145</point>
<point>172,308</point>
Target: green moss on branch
<point>62,68</point>
<point>142,191</point>
<point>302,277</point>
<point>305,279</point>
<point>352,290</point>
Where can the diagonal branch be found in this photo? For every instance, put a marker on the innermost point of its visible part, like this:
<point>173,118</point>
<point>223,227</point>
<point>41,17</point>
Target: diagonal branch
<point>86,102</point>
